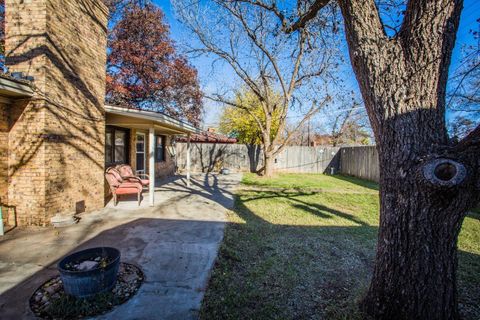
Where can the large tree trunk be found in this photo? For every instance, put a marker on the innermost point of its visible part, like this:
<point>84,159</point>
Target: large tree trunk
<point>268,150</point>
<point>414,275</point>
<point>268,159</point>
<point>427,184</point>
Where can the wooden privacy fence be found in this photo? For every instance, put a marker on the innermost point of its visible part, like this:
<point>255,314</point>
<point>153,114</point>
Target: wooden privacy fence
<point>359,161</point>
<point>308,160</point>
<point>208,157</point>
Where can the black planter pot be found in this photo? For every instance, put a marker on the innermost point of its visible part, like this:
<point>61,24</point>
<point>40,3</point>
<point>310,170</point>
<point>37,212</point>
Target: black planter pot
<point>84,284</point>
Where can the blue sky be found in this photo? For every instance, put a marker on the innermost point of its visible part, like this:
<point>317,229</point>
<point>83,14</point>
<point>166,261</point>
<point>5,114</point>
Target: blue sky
<point>210,79</point>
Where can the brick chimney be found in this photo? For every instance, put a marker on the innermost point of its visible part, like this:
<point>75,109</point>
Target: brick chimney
<point>56,139</point>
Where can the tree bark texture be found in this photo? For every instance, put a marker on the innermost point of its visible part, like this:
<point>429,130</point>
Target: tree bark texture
<point>422,205</point>
<point>268,159</point>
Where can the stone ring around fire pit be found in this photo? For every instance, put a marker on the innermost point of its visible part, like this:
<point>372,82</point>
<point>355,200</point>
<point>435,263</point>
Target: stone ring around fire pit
<point>67,297</point>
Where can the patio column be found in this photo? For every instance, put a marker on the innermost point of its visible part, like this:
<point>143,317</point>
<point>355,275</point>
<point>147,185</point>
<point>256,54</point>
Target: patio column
<point>188,160</point>
<point>151,164</point>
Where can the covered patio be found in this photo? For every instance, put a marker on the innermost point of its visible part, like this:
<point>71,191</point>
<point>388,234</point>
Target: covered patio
<point>144,140</point>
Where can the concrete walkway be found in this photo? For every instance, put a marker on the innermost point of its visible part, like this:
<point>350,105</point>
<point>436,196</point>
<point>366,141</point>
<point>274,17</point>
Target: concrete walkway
<point>175,243</point>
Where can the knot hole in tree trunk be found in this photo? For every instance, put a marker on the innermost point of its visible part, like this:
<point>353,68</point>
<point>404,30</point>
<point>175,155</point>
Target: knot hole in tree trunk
<point>444,172</point>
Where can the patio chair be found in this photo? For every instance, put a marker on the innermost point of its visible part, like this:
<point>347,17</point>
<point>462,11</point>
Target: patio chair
<point>121,186</point>
<point>126,171</point>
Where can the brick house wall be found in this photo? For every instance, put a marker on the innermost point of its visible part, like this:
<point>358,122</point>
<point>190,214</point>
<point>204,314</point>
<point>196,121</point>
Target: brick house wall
<point>3,152</point>
<point>56,139</point>
<point>166,168</point>
<point>26,169</point>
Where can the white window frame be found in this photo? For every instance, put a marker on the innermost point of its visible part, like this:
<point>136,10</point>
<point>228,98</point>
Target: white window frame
<point>144,152</point>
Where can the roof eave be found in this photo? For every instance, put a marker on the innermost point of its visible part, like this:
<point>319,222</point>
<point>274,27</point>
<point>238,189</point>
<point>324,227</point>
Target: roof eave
<point>13,89</point>
<point>153,116</point>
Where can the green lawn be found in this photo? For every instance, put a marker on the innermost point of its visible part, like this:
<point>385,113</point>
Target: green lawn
<point>302,247</point>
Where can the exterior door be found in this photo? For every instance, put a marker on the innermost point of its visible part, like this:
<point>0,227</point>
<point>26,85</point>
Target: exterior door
<point>140,152</point>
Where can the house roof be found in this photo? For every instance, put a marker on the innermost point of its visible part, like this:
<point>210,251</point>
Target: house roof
<point>209,137</point>
<point>134,117</point>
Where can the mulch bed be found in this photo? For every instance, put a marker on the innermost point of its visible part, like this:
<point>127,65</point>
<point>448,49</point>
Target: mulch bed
<point>50,301</point>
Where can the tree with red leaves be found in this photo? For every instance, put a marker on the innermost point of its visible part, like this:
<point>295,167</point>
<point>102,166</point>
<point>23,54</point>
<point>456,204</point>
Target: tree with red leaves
<point>145,71</point>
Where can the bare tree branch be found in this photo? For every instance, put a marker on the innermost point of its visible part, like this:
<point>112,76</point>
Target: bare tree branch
<point>287,26</point>
<point>273,65</point>
<point>471,141</point>
<point>313,110</point>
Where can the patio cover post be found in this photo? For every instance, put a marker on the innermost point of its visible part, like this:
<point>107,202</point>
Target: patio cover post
<point>151,164</point>
<point>188,160</point>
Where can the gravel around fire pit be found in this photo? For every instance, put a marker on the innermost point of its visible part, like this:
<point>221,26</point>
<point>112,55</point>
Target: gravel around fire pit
<point>50,301</point>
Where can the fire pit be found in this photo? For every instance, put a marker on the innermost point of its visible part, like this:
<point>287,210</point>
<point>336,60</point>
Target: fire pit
<point>88,272</point>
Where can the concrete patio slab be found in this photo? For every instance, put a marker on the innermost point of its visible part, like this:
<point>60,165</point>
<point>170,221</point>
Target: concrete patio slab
<point>175,243</point>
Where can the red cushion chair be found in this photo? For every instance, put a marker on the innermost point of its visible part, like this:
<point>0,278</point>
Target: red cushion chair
<point>126,171</point>
<point>120,186</point>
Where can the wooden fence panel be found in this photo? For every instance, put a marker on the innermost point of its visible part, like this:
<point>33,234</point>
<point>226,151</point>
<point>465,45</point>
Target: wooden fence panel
<point>361,162</point>
<point>207,157</point>
<point>308,159</point>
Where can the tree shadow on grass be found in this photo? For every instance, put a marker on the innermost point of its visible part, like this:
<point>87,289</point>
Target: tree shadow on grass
<point>360,182</point>
<point>468,277</point>
<point>266,270</point>
<point>316,209</point>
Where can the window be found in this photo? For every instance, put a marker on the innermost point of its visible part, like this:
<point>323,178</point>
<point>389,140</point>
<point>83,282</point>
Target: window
<point>140,153</point>
<point>159,148</point>
<point>108,147</point>
<point>120,144</point>
<point>116,145</point>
